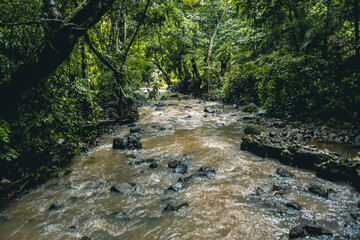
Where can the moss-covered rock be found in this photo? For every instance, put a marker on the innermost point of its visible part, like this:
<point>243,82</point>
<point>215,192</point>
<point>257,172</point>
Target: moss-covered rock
<point>251,108</point>
<point>253,129</point>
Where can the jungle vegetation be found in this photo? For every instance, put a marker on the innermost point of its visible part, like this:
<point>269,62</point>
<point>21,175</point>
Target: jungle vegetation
<point>61,60</point>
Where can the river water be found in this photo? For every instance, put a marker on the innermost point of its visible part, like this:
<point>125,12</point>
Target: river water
<point>224,206</point>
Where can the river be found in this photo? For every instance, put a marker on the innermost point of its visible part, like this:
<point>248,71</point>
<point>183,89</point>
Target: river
<point>223,206</point>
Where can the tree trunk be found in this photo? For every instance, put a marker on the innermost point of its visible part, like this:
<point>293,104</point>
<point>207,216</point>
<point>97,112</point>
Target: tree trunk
<point>208,60</point>
<point>54,52</point>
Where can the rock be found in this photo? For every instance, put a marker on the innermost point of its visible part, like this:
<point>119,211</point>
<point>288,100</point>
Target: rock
<point>135,129</point>
<point>160,104</point>
<point>283,173</point>
<point>56,206</point>
<point>159,109</point>
<point>120,215</point>
<point>175,206</point>
<point>73,228</point>
<point>163,98</point>
<point>253,129</point>
<point>153,165</point>
<point>206,169</point>
<point>280,124</point>
<point>176,186</point>
<point>129,142</point>
<point>195,175</point>
<point>123,188</point>
<point>318,190</point>
<point>213,111</point>
<point>85,238</point>
<point>187,107</point>
<point>173,163</point>
<point>293,205</point>
<point>307,230</point>
<point>272,134</point>
<point>278,187</point>
<point>261,112</point>
<point>251,108</point>
<point>181,168</point>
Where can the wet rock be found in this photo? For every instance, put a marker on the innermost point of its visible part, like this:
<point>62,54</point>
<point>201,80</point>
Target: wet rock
<point>201,102</point>
<point>181,168</point>
<point>135,129</point>
<point>187,107</point>
<point>293,205</point>
<point>318,190</point>
<point>153,165</point>
<point>123,188</point>
<point>253,129</point>
<point>158,109</point>
<point>176,186</point>
<point>173,163</point>
<point>73,228</point>
<point>56,206</point>
<point>251,108</point>
<point>121,215</point>
<point>272,134</point>
<point>280,124</point>
<point>261,112</point>
<point>175,206</point>
<point>173,105</point>
<point>85,238</point>
<point>163,98</point>
<point>213,111</point>
<point>206,169</point>
<point>160,104</point>
<point>196,175</point>
<point>278,187</point>
<point>283,173</point>
<point>129,142</point>
<point>307,230</point>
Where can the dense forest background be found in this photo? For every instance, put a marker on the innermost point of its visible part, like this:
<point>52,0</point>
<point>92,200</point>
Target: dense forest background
<point>61,62</point>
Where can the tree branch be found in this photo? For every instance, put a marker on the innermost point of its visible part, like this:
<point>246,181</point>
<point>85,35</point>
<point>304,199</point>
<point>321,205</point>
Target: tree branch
<point>137,30</point>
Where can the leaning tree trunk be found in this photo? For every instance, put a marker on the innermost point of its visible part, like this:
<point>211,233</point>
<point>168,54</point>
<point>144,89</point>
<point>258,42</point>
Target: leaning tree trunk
<point>54,51</point>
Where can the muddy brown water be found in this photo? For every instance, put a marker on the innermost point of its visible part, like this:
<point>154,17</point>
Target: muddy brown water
<point>221,207</point>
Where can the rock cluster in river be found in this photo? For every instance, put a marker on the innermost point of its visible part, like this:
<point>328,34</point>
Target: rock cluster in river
<point>128,142</point>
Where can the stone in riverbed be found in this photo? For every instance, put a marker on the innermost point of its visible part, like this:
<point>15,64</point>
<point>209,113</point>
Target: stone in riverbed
<point>307,230</point>
<point>176,186</point>
<point>283,173</point>
<point>318,190</point>
<point>251,108</point>
<point>85,238</point>
<point>153,165</point>
<point>293,205</point>
<point>129,142</point>
<point>135,129</point>
<point>163,98</point>
<point>278,187</point>
<point>253,129</point>
<point>207,169</point>
<point>181,168</point>
<point>173,163</point>
<point>196,175</point>
<point>175,206</point>
<point>56,206</point>
<point>123,188</point>
<point>120,215</point>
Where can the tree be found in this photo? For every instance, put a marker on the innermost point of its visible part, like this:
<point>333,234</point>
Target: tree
<point>54,51</point>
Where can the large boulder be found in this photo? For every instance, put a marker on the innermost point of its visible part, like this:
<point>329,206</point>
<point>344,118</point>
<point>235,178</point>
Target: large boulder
<point>129,142</point>
<point>181,168</point>
<point>318,190</point>
<point>307,230</point>
<point>253,129</point>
